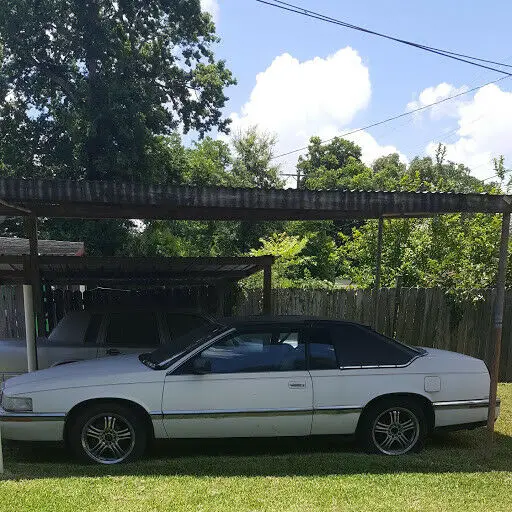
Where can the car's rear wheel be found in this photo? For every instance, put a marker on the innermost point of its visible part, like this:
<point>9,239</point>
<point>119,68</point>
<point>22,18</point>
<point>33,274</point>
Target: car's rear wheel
<point>108,433</point>
<point>393,427</point>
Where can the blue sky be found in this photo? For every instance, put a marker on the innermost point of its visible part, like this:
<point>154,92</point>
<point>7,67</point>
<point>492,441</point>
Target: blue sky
<point>316,78</point>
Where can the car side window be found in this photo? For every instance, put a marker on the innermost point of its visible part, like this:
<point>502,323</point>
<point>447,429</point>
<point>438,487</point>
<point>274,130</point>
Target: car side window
<point>179,324</point>
<point>132,329</point>
<point>360,346</point>
<point>321,349</point>
<point>248,352</point>
<point>93,329</point>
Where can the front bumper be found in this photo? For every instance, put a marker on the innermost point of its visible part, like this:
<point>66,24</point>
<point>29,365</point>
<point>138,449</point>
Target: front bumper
<point>32,426</point>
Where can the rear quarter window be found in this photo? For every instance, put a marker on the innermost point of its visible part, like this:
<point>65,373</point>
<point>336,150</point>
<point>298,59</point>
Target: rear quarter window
<point>360,346</point>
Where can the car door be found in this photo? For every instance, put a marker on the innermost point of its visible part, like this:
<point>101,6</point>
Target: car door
<point>349,365</point>
<point>247,383</point>
<point>130,332</point>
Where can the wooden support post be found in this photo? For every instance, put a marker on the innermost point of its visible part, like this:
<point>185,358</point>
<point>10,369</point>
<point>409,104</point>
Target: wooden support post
<point>34,278</point>
<point>398,290</point>
<point>376,286</point>
<point>498,320</point>
<point>34,273</point>
<point>267,289</point>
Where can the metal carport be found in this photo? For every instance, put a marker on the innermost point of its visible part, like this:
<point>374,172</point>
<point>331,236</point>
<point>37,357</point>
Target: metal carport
<point>34,198</point>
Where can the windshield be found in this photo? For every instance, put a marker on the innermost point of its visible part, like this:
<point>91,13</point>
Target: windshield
<point>165,355</point>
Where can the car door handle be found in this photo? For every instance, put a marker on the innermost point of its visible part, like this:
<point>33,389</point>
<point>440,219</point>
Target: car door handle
<point>296,385</point>
<point>113,352</point>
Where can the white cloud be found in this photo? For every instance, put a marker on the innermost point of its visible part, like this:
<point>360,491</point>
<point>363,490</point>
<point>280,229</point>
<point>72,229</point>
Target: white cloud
<point>485,124</point>
<point>296,100</point>
<point>372,149</point>
<point>211,6</point>
<point>439,92</point>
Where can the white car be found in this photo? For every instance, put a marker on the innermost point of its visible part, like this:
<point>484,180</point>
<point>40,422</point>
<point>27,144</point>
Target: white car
<point>287,376</point>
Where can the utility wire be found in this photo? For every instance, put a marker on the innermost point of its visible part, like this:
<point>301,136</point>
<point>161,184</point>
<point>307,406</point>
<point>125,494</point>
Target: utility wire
<point>389,119</point>
<point>461,57</point>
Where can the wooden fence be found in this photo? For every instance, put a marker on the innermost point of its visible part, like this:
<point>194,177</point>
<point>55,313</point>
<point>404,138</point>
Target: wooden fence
<point>416,316</point>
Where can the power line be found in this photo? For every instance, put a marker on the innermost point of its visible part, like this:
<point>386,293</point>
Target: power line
<point>393,118</point>
<point>461,57</point>
<point>495,175</point>
<point>449,134</point>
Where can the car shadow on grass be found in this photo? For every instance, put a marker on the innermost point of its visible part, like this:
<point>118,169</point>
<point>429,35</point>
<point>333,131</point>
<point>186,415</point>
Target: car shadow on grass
<point>319,456</point>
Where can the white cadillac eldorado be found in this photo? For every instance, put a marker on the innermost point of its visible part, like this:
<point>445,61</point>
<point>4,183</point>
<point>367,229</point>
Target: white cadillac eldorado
<point>284,376</point>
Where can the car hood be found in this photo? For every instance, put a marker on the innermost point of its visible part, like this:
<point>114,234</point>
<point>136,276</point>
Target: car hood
<point>96,372</point>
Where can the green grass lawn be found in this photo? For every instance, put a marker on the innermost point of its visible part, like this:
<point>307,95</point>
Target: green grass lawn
<point>455,472</point>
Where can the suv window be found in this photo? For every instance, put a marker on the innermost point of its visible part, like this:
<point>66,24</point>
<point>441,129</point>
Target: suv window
<point>72,328</point>
<point>132,329</point>
<point>255,351</point>
<point>93,329</point>
<point>181,323</point>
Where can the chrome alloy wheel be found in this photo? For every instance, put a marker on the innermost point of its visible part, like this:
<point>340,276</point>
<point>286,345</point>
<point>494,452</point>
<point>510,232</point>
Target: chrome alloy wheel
<point>108,438</point>
<point>396,431</point>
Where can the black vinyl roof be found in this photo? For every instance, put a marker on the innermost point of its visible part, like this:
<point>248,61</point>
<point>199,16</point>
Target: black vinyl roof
<point>282,319</point>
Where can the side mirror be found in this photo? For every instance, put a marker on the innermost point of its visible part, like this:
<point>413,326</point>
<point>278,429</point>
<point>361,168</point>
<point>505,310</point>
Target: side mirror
<point>202,366</point>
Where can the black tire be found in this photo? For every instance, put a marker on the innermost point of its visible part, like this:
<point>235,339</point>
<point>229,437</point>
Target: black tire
<point>392,426</point>
<point>119,428</point>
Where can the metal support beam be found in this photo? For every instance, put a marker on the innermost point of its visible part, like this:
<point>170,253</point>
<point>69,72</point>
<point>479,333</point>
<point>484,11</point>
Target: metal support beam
<point>498,320</point>
<point>267,289</point>
<point>30,328</point>
<point>376,285</point>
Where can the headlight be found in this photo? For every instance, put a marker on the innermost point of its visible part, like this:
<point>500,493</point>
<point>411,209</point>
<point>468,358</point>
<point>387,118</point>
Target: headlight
<point>16,404</point>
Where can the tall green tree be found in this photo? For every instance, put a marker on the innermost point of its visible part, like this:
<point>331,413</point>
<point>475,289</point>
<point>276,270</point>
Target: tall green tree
<point>97,88</point>
<point>246,162</point>
<point>88,87</point>
<point>324,161</point>
<point>253,166</point>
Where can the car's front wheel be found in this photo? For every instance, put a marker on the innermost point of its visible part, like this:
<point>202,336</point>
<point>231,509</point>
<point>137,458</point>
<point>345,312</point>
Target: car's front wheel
<point>393,427</point>
<point>107,433</point>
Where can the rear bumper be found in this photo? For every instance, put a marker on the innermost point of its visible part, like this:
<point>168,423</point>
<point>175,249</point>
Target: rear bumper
<point>32,426</point>
<point>460,414</point>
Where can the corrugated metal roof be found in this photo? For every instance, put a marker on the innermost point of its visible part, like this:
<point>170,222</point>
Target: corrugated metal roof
<point>101,270</point>
<point>97,199</point>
